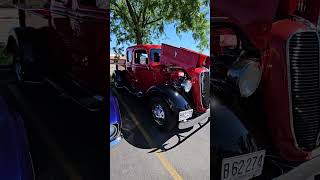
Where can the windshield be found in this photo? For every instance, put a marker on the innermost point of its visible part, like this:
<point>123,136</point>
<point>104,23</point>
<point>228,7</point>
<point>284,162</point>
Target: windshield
<point>155,55</point>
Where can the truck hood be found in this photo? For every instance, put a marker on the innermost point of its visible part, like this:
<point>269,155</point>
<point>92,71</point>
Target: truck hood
<point>181,57</point>
<point>254,17</point>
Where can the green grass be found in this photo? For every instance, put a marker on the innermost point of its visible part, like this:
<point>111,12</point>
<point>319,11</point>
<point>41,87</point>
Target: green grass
<point>4,59</point>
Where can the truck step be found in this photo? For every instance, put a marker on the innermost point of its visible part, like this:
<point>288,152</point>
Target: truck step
<point>80,96</point>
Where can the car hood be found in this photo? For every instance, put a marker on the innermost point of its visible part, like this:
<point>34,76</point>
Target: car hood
<point>181,57</point>
<point>114,110</point>
<point>254,17</point>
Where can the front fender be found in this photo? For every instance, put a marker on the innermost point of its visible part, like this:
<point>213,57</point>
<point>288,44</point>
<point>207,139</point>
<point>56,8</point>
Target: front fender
<point>22,37</point>
<point>229,137</point>
<point>229,134</point>
<point>172,97</point>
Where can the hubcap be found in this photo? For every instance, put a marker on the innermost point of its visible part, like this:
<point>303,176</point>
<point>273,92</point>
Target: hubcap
<point>19,71</point>
<point>158,114</point>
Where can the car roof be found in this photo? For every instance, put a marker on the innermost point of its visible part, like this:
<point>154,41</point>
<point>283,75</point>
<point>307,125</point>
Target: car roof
<point>146,46</point>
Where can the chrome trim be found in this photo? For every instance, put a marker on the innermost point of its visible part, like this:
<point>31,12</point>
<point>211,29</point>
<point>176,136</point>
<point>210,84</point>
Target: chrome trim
<point>289,82</point>
<point>303,21</point>
<point>305,170</point>
<point>115,132</point>
<point>200,80</point>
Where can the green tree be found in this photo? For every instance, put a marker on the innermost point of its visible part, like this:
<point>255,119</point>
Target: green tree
<point>141,21</point>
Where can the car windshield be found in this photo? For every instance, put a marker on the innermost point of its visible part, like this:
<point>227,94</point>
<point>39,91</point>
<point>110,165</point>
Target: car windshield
<point>155,55</point>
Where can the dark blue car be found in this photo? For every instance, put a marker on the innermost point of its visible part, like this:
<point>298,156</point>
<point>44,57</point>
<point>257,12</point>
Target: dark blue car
<point>15,158</point>
<point>115,121</point>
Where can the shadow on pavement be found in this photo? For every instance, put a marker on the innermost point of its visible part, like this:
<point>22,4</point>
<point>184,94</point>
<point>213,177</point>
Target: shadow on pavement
<point>67,142</point>
<point>138,129</point>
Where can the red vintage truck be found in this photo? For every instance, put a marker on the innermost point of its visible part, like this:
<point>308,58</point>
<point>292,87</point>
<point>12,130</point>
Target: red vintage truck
<point>266,71</point>
<point>63,43</point>
<point>174,80</point>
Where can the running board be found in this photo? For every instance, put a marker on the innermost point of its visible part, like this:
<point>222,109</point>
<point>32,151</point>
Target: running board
<point>136,93</point>
<point>89,102</point>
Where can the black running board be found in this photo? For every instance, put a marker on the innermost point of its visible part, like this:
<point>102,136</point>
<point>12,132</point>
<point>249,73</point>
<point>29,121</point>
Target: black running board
<point>90,102</point>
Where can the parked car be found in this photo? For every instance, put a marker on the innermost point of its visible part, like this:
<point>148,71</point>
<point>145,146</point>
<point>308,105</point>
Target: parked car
<point>175,81</point>
<point>266,72</point>
<point>115,121</point>
<point>15,157</point>
<point>64,44</point>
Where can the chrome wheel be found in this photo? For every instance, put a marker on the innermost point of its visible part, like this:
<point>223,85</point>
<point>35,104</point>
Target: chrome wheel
<point>18,70</point>
<point>158,114</point>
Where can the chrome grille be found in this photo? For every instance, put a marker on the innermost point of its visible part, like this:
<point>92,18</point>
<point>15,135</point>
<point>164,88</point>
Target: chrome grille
<point>304,84</point>
<point>205,89</point>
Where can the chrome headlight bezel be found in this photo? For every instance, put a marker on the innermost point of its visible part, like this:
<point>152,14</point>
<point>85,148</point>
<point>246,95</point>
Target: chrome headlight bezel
<point>247,76</point>
<point>186,85</point>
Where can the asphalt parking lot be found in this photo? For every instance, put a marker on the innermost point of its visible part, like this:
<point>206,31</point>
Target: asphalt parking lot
<point>147,153</point>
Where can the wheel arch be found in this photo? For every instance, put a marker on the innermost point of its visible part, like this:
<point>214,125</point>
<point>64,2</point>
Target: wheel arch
<point>229,137</point>
<point>172,97</point>
<point>21,37</point>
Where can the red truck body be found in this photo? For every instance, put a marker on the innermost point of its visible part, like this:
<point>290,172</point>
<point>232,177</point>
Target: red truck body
<point>152,70</point>
<point>155,73</point>
<point>284,32</point>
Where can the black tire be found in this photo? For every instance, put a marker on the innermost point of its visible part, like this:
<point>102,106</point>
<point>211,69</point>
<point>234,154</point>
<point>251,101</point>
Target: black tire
<point>169,121</point>
<point>17,63</point>
<point>117,80</point>
<point>20,67</point>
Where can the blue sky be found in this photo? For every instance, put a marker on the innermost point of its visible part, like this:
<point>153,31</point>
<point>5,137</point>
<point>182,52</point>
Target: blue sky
<point>185,40</point>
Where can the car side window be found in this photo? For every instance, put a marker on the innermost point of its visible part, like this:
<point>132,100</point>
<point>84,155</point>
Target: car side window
<point>155,55</point>
<point>129,56</point>
<point>140,57</point>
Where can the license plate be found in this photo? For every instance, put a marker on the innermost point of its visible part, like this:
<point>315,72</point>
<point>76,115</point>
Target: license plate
<point>184,115</point>
<point>243,167</point>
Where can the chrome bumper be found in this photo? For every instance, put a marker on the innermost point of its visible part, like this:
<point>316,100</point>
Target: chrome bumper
<point>306,170</point>
<point>192,122</point>
<point>115,141</point>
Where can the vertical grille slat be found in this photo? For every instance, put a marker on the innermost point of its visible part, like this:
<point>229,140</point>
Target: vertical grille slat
<point>304,79</point>
<point>205,89</point>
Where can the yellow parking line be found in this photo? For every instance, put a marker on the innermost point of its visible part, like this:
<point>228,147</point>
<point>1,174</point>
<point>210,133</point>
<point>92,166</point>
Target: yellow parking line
<point>166,164</point>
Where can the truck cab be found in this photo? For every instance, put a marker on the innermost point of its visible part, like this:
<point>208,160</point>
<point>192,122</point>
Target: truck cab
<point>174,80</point>
<point>143,65</point>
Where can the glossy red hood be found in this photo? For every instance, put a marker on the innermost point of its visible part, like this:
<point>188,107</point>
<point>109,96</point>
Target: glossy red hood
<point>255,17</point>
<point>181,57</point>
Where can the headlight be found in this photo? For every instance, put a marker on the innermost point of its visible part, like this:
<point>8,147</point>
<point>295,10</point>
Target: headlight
<point>247,75</point>
<point>186,85</point>
<point>113,131</point>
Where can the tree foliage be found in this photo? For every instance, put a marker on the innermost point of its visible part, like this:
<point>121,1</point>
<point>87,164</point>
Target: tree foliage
<point>141,21</point>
